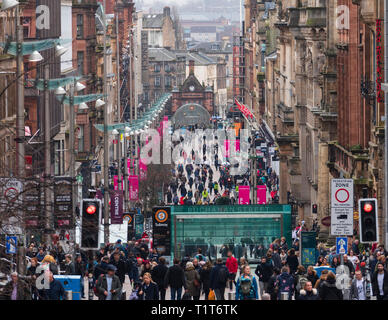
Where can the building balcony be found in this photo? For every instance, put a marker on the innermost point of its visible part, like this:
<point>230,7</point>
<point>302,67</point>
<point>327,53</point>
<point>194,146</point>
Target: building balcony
<point>352,163</point>
<point>285,114</point>
<point>312,17</point>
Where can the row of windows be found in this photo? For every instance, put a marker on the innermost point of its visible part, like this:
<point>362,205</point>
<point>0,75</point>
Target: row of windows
<point>158,67</point>
<point>167,81</point>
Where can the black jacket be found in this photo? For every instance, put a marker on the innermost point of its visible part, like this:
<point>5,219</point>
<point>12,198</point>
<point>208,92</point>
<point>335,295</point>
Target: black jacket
<point>70,268</point>
<point>175,277</point>
<point>149,293</point>
<point>313,278</point>
<point>329,291</point>
<point>264,271</point>
<point>308,295</point>
<point>56,291</point>
<point>205,277</point>
<point>80,268</point>
<point>158,274</point>
<point>293,263</point>
<point>375,286</point>
<point>121,269</point>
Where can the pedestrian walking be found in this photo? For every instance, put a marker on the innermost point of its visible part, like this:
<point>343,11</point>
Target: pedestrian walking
<point>285,283</point>
<point>246,287</point>
<point>149,289</point>
<point>193,284</point>
<point>16,289</point>
<point>109,285</point>
<point>380,282</point>
<point>55,290</point>
<point>264,271</point>
<point>204,275</point>
<point>158,274</point>
<point>358,288</point>
<point>218,279</point>
<point>232,265</point>
<point>329,290</point>
<point>175,279</point>
<point>308,292</point>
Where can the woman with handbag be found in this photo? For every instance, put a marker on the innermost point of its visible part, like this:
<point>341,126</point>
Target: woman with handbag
<point>192,281</point>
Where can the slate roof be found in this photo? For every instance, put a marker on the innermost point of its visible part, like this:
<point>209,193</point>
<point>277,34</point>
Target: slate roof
<point>153,21</point>
<point>161,54</point>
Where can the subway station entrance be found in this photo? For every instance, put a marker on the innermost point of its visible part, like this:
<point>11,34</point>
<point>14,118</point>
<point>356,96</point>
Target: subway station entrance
<point>216,229</point>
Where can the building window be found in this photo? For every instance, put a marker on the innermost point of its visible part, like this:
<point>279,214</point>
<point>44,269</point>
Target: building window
<point>157,81</point>
<point>80,26</point>
<point>157,67</point>
<point>81,138</point>
<point>80,62</point>
<point>167,81</point>
<point>167,68</point>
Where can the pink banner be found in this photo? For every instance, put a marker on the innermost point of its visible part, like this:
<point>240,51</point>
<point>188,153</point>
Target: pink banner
<point>237,145</point>
<point>116,183</point>
<point>262,194</point>
<point>243,194</point>
<point>226,148</point>
<point>133,188</point>
<point>143,170</point>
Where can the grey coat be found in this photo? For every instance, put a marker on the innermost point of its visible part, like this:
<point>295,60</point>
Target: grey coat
<point>190,275</point>
<point>354,291</point>
<point>102,285</point>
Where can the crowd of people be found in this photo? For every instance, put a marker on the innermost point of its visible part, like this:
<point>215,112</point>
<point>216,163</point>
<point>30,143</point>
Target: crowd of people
<point>278,274</point>
<point>203,179</point>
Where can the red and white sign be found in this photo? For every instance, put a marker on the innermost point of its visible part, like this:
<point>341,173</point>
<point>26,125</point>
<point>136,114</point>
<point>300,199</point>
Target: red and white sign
<point>342,207</point>
<point>245,111</point>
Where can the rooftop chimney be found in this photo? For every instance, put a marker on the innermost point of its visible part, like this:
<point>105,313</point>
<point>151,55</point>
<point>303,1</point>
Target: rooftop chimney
<point>166,11</point>
<point>191,67</point>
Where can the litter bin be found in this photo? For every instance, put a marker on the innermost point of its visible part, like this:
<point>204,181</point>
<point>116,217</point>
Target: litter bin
<point>231,295</point>
<point>68,295</point>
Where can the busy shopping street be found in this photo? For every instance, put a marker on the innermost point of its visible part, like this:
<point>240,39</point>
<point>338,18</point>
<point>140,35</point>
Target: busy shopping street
<point>193,155</point>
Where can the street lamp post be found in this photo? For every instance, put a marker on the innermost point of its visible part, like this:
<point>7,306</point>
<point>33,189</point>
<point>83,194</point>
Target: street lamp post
<point>106,142</point>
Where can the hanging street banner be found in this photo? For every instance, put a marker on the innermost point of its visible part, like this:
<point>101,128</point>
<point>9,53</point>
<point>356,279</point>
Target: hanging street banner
<point>133,188</point>
<point>243,194</point>
<point>63,206</point>
<point>143,170</point>
<point>116,183</point>
<point>33,213</point>
<point>342,207</point>
<point>116,206</point>
<point>262,194</point>
<point>161,226</point>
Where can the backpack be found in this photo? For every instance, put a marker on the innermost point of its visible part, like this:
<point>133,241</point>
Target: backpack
<point>222,276</point>
<point>245,286</point>
<point>301,282</point>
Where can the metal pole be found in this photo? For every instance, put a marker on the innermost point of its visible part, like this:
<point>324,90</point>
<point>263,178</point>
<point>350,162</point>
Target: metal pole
<point>20,98</point>
<point>118,98</point>
<point>106,142</point>
<point>72,160</point>
<point>130,108</point>
<point>47,151</point>
<point>20,130</point>
<point>386,121</point>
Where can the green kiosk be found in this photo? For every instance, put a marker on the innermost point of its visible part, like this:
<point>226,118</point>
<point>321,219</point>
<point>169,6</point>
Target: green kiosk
<point>216,229</point>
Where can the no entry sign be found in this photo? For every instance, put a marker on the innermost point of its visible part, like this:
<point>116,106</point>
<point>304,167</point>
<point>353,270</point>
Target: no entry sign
<point>342,207</point>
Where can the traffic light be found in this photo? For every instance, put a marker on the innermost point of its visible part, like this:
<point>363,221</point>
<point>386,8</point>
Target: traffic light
<point>315,208</point>
<point>368,220</point>
<point>90,223</point>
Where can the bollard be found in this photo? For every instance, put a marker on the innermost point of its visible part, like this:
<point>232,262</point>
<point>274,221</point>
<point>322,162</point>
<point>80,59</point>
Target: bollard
<point>284,296</point>
<point>68,295</point>
<point>231,295</point>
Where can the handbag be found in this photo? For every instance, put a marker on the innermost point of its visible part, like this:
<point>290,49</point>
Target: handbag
<point>212,295</point>
<point>197,284</point>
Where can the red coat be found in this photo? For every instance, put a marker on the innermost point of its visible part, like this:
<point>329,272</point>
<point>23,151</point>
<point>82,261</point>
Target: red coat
<point>232,264</point>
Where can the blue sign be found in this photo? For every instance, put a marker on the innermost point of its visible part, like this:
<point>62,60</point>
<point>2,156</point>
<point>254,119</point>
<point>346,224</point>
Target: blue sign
<point>342,245</point>
<point>11,245</point>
